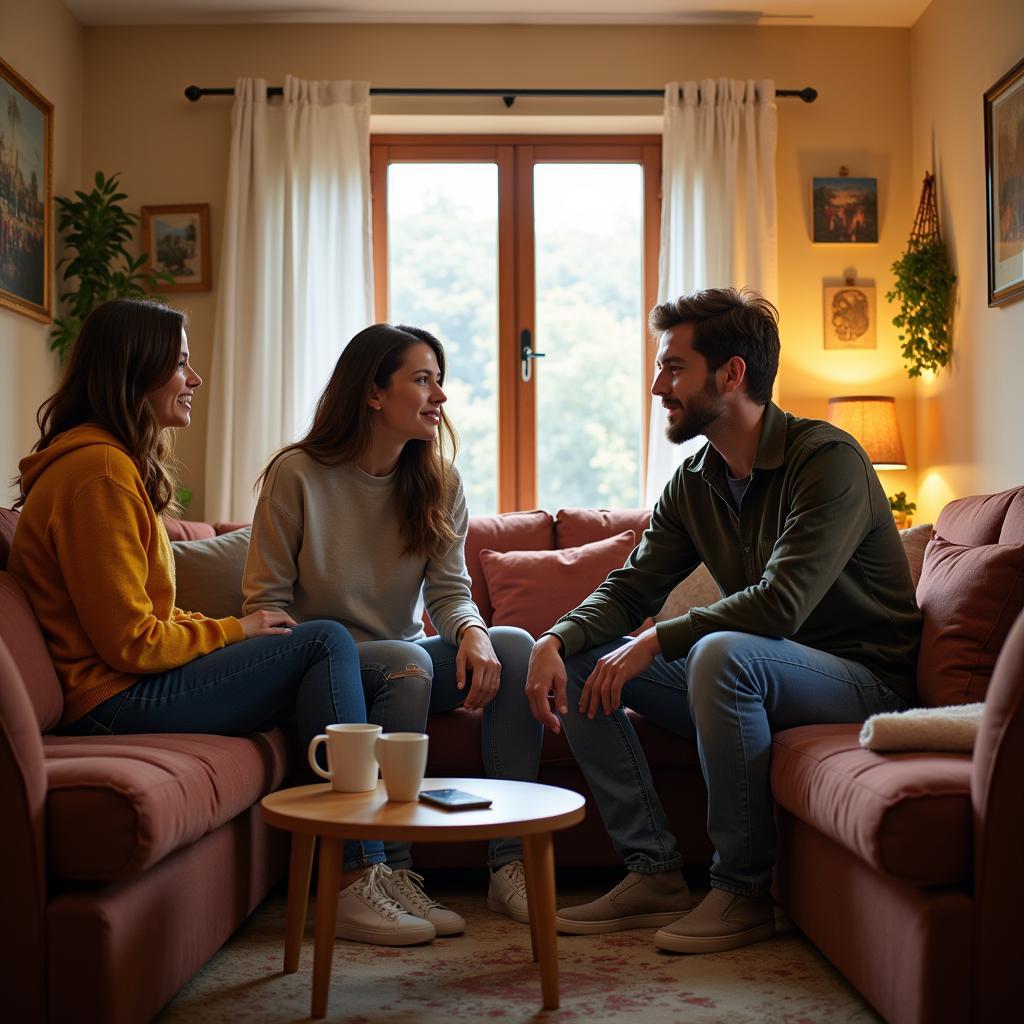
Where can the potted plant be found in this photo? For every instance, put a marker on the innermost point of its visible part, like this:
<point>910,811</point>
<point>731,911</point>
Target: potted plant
<point>924,290</point>
<point>96,227</point>
<point>902,510</point>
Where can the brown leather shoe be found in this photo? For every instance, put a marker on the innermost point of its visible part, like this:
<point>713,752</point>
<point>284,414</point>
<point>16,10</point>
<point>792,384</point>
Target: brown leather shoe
<point>723,920</point>
<point>638,901</point>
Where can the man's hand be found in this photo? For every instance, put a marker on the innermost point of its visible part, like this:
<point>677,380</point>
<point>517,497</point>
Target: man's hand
<point>476,656</point>
<point>603,688</point>
<point>546,675</point>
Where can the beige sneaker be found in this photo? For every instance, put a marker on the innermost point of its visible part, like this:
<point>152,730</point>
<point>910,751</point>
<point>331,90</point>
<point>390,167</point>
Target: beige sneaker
<point>406,888</point>
<point>638,901</point>
<point>366,913</point>
<point>723,920</point>
<point>506,893</point>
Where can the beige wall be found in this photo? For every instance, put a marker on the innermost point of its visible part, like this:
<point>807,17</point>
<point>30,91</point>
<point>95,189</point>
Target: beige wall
<point>45,45</point>
<point>970,420</point>
<point>138,122</point>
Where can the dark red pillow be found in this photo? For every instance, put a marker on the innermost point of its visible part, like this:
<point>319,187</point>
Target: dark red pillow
<point>533,589</point>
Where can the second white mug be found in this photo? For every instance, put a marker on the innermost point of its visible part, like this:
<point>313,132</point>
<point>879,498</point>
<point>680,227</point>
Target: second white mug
<point>351,764</point>
<point>403,760</point>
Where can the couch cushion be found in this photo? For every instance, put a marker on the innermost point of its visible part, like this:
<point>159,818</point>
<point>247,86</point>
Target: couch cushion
<point>513,531</point>
<point>981,518</point>
<point>118,804</point>
<point>208,573</point>
<point>970,597</point>
<point>533,589</point>
<point>915,540</point>
<point>8,522</point>
<point>30,654</point>
<point>908,815</point>
<point>576,526</point>
<point>185,529</point>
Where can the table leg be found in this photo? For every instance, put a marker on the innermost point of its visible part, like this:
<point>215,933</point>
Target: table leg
<point>328,883</point>
<point>299,870</point>
<point>539,861</point>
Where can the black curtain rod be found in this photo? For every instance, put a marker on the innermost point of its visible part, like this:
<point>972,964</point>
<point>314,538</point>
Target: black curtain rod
<point>195,92</point>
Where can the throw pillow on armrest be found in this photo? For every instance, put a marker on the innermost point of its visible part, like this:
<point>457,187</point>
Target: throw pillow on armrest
<point>208,573</point>
<point>534,589</point>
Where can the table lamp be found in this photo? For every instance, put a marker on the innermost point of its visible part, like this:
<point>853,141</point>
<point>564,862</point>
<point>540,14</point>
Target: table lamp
<point>871,419</point>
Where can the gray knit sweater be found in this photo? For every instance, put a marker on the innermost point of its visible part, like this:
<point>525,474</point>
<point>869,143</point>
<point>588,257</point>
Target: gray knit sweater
<point>325,544</point>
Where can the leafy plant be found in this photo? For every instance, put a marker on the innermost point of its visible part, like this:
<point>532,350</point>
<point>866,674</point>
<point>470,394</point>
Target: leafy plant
<point>898,503</point>
<point>924,290</point>
<point>96,229</point>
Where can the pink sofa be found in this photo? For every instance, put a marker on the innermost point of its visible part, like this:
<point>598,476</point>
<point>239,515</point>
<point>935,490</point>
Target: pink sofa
<point>136,857</point>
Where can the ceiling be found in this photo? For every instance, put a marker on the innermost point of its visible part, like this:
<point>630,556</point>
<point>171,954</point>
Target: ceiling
<point>880,13</point>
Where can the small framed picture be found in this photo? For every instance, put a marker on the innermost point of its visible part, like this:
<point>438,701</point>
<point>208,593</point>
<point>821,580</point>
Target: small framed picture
<point>845,210</point>
<point>26,197</point>
<point>850,316</point>
<point>177,242</point>
<point>1004,186</point>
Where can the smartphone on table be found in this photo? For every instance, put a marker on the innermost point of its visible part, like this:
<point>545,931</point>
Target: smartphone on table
<point>454,799</point>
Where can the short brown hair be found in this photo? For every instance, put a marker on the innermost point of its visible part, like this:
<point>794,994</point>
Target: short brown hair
<point>728,323</point>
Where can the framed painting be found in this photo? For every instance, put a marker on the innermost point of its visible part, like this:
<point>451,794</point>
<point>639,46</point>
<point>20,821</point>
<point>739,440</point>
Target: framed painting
<point>1004,186</point>
<point>849,314</point>
<point>845,210</point>
<point>177,242</point>
<point>26,197</point>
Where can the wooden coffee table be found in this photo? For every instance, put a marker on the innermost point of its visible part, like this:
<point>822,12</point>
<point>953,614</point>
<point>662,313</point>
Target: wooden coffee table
<point>525,809</point>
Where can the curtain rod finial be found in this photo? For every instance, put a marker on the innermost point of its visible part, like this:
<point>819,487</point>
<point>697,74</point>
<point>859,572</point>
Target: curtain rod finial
<point>193,93</point>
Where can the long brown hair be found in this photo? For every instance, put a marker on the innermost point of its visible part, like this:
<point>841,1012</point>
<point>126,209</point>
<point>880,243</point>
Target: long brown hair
<point>342,430</point>
<point>126,349</point>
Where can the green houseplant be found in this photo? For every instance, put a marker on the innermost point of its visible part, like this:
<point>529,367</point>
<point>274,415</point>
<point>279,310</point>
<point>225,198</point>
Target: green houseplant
<point>902,510</point>
<point>96,228</point>
<point>924,290</point>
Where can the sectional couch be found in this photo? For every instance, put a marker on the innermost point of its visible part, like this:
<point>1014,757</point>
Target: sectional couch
<point>135,857</point>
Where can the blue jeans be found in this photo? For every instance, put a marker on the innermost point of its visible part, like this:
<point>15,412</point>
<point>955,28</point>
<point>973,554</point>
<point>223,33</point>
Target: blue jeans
<point>405,681</point>
<point>312,675</point>
<point>731,692</point>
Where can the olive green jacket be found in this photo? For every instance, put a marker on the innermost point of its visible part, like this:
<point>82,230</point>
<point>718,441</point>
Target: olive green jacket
<point>812,556</point>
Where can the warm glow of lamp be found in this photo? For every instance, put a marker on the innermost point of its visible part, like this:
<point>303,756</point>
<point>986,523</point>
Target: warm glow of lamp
<point>871,419</point>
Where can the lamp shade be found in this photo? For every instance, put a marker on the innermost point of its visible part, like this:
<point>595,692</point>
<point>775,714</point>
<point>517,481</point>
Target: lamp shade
<point>871,419</point>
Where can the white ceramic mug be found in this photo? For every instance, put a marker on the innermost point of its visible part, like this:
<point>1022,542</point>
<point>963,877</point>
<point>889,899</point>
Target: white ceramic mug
<point>403,760</point>
<point>351,764</point>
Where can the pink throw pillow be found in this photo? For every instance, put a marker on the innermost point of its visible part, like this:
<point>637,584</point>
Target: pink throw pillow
<point>533,589</point>
<point>970,597</point>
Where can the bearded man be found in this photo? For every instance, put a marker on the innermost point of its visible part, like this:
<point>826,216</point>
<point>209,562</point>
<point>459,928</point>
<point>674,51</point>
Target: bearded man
<point>817,623</point>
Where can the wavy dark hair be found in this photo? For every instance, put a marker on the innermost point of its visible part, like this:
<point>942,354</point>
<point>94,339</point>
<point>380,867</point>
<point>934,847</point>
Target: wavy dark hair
<point>342,430</point>
<point>728,323</point>
<point>125,349</point>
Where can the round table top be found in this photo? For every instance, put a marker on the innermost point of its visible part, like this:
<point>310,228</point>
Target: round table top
<point>518,808</point>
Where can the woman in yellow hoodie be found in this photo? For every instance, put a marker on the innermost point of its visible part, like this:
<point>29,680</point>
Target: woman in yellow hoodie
<point>92,555</point>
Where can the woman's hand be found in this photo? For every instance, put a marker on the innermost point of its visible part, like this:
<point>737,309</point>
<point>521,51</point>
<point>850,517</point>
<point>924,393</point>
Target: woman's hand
<point>476,655</point>
<point>267,622</point>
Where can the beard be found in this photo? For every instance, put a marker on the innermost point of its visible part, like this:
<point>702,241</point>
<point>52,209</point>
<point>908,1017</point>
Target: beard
<point>699,413</point>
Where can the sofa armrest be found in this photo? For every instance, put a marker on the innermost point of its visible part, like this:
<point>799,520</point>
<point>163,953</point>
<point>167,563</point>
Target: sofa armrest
<point>22,850</point>
<point>997,771</point>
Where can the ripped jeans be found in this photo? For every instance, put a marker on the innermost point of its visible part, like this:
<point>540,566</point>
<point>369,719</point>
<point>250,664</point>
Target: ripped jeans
<point>405,681</point>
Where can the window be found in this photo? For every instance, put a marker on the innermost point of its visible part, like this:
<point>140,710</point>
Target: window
<point>535,263</point>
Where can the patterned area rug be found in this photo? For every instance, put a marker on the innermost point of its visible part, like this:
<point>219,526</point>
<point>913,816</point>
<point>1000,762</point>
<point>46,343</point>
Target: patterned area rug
<point>488,975</point>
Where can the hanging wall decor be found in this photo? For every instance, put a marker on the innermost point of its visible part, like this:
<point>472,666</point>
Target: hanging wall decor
<point>845,210</point>
<point>924,290</point>
<point>849,316</point>
<point>177,239</point>
<point>1004,186</point>
<point>26,196</point>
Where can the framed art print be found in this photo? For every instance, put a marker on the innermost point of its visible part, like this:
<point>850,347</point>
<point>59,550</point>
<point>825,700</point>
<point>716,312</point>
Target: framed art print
<point>845,210</point>
<point>26,197</point>
<point>849,314</point>
<point>177,241</point>
<point>1004,186</point>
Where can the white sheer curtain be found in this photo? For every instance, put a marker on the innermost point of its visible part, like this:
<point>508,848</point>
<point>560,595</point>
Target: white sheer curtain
<point>718,216</point>
<point>296,278</point>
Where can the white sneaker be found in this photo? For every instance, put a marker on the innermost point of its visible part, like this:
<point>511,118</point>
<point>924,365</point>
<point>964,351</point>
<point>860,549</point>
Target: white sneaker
<point>507,892</point>
<point>366,913</point>
<point>406,888</point>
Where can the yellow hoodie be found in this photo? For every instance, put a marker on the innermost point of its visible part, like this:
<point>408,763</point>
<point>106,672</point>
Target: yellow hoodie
<point>94,559</point>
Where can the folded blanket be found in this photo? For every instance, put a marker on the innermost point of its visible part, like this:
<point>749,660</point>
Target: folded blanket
<point>950,728</point>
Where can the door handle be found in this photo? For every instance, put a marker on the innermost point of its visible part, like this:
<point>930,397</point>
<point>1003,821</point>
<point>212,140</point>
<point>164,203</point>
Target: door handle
<point>527,355</point>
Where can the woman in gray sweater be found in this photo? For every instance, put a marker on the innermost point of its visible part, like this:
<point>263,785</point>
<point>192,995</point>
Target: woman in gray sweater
<point>364,521</point>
